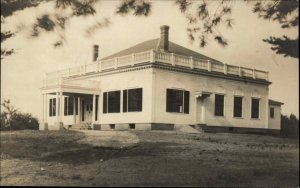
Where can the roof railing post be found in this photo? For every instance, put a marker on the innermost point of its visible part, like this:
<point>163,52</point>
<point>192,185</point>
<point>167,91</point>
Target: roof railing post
<point>209,65</point>
<point>253,73</point>
<point>240,72</point>
<point>99,66</point>
<point>191,62</point>
<point>152,56</point>
<point>116,62</point>
<point>173,59</point>
<point>132,59</point>
<point>225,68</point>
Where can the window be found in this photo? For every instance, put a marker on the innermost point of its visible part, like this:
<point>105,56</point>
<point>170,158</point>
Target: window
<point>272,112</point>
<point>238,106</point>
<point>255,108</point>
<point>131,126</point>
<point>178,101</point>
<point>219,105</point>
<point>52,107</point>
<point>132,100</point>
<point>111,102</point>
<point>68,106</point>
<point>112,126</point>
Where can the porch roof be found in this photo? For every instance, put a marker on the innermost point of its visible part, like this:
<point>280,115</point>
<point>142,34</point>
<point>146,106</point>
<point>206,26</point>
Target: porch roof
<point>276,103</point>
<point>71,86</point>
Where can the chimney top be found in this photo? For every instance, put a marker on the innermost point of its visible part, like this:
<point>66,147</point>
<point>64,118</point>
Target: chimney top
<point>95,52</point>
<point>164,37</point>
<point>164,27</point>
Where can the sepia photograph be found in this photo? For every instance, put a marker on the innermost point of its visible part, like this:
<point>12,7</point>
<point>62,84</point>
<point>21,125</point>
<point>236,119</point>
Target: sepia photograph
<point>149,93</point>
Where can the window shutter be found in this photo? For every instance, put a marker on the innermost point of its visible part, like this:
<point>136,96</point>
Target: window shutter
<point>76,105</point>
<point>169,100</point>
<point>118,102</point>
<point>186,102</point>
<point>50,107</point>
<point>65,106</point>
<point>96,107</point>
<point>124,100</point>
<point>140,99</point>
<point>104,102</point>
<point>54,107</point>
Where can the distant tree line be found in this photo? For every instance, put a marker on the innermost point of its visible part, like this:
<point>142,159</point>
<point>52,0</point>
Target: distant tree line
<point>289,126</point>
<point>12,119</point>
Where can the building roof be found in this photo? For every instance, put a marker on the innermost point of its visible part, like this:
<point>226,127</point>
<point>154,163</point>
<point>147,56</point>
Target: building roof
<point>273,102</point>
<point>154,44</point>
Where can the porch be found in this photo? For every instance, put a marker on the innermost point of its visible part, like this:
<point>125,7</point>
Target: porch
<point>70,104</point>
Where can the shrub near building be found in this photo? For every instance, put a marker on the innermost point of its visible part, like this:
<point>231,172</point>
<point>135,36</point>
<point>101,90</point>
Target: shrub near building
<point>12,119</point>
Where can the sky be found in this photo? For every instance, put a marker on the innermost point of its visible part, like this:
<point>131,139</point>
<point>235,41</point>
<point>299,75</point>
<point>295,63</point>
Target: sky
<point>22,73</point>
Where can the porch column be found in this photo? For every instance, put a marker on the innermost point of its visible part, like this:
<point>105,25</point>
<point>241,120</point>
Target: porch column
<point>74,109</point>
<point>94,107</point>
<point>60,106</point>
<point>195,106</point>
<point>42,123</point>
<point>79,110</point>
<point>202,111</point>
<point>99,106</point>
<point>56,107</point>
<point>46,107</point>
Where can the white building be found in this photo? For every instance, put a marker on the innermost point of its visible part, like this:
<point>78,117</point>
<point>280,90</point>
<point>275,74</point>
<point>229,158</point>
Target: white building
<point>155,85</point>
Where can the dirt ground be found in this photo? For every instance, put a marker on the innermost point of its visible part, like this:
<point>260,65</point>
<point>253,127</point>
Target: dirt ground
<point>159,158</point>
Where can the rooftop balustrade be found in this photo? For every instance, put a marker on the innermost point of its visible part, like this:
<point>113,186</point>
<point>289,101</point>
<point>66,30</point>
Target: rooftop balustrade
<point>153,56</point>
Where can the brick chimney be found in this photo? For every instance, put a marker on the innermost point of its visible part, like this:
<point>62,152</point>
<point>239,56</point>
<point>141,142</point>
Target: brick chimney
<point>95,52</point>
<point>164,37</point>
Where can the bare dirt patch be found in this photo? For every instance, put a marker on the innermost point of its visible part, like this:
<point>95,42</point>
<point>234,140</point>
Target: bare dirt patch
<point>159,159</point>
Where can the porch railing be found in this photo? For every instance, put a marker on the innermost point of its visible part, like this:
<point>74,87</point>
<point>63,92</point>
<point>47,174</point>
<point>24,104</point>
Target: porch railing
<point>156,56</point>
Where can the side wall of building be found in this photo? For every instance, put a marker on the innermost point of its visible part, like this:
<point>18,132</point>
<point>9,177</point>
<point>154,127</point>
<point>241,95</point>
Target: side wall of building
<point>164,79</point>
<point>274,123</point>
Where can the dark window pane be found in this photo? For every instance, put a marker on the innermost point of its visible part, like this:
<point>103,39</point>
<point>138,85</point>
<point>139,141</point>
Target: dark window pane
<point>96,108</point>
<point>114,101</point>
<point>50,107</point>
<point>238,106</point>
<point>76,105</point>
<point>186,102</point>
<point>178,103</point>
<point>53,107</point>
<point>82,110</point>
<point>170,97</point>
<point>105,102</point>
<point>70,105</point>
<point>272,112</point>
<point>219,105</point>
<point>255,108</point>
<point>66,106</point>
<point>124,100</point>
<point>135,100</point>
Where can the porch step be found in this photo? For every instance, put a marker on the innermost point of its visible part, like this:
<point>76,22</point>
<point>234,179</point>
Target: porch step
<point>82,126</point>
<point>199,127</point>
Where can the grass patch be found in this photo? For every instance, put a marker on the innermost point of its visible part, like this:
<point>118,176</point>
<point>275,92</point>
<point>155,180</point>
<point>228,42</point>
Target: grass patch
<point>34,144</point>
